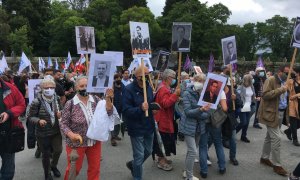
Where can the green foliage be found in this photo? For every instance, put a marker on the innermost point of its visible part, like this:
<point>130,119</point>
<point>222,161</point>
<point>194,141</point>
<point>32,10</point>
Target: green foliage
<point>126,4</point>
<point>5,30</point>
<point>19,41</point>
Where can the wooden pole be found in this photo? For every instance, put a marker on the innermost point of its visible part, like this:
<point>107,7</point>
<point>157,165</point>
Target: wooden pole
<point>156,82</point>
<point>151,82</point>
<point>179,69</point>
<point>33,68</point>
<point>292,63</point>
<point>87,64</point>
<point>144,85</point>
<point>232,84</point>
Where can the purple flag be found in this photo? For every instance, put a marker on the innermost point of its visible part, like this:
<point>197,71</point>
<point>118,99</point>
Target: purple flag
<point>260,62</point>
<point>234,67</point>
<point>211,64</point>
<point>187,63</point>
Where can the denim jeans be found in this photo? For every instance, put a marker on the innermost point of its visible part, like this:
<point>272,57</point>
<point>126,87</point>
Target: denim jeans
<point>190,155</point>
<point>232,145</point>
<point>142,149</point>
<point>216,138</point>
<point>7,171</point>
<point>244,123</point>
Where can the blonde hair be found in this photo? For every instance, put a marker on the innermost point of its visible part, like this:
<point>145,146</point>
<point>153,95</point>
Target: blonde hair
<point>47,80</point>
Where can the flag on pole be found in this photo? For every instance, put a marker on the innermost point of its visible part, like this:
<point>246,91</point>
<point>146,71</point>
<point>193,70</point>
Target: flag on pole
<point>211,63</point>
<point>234,67</point>
<point>81,60</point>
<point>56,64</point>
<point>187,64</point>
<point>69,60</point>
<point>50,64</point>
<point>24,62</point>
<point>260,62</point>
<point>3,64</point>
<point>42,64</point>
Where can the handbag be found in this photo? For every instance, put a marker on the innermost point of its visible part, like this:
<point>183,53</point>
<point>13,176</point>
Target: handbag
<point>13,139</point>
<point>218,117</point>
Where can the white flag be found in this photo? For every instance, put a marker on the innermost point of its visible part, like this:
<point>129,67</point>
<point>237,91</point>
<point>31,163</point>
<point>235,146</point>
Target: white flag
<point>41,68</point>
<point>69,60</point>
<point>25,62</point>
<point>3,64</point>
<point>56,64</point>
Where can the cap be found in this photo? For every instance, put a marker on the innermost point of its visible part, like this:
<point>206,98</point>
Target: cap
<point>259,69</point>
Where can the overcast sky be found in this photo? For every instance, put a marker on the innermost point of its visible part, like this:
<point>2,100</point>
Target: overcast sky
<point>244,11</point>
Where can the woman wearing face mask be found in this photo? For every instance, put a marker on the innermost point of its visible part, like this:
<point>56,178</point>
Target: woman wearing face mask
<point>247,93</point>
<point>192,124</point>
<point>76,118</point>
<point>294,108</point>
<point>165,117</point>
<point>45,112</point>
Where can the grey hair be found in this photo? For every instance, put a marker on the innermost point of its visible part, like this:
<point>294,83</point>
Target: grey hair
<point>200,77</point>
<point>47,80</point>
<point>167,73</point>
<point>80,78</point>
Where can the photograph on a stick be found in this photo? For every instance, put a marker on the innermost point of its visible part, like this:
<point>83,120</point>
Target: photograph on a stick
<point>181,36</point>
<point>162,61</point>
<point>212,90</point>
<point>296,34</point>
<point>85,40</point>
<point>229,50</point>
<point>140,39</point>
<point>101,69</point>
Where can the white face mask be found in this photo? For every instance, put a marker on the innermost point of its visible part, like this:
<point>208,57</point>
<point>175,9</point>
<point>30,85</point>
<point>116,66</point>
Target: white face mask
<point>198,86</point>
<point>48,92</point>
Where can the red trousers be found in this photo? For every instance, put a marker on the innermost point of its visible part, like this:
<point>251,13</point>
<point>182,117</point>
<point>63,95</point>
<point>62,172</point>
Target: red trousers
<point>93,154</point>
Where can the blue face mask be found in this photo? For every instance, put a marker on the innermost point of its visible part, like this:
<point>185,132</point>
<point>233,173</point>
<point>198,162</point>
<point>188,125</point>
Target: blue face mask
<point>173,82</point>
<point>187,81</point>
<point>261,74</point>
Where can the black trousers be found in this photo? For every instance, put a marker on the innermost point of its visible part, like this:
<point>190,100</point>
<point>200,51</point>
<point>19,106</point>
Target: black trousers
<point>293,128</point>
<point>297,171</point>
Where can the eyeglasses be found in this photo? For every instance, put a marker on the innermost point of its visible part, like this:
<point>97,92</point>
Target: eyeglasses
<point>49,88</point>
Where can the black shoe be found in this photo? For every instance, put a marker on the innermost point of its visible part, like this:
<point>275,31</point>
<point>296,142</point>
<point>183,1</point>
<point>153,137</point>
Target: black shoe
<point>49,177</point>
<point>203,175</point>
<point>55,171</point>
<point>234,162</point>
<point>257,126</point>
<point>129,166</point>
<point>37,153</point>
<point>288,135</point>
<point>296,143</point>
<point>245,139</point>
<point>222,171</point>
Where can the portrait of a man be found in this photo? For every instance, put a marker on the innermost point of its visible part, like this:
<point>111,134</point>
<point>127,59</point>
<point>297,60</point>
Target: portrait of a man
<point>181,41</point>
<point>162,62</point>
<point>229,50</point>
<point>85,39</point>
<point>211,93</point>
<point>100,78</point>
<point>296,34</point>
<point>139,42</point>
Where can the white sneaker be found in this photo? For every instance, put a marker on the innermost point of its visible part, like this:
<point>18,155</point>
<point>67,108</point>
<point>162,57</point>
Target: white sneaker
<point>196,160</point>
<point>209,163</point>
<point>194,178</point>
<point>184,174</point>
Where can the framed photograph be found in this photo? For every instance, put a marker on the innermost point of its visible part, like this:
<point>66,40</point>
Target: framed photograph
<point>229,50</point>
<point>85,39</point>
<point>33,89</point>
<point>212,90</point>
<point>101,73</point>
<point>133,65</point>
<point>198,69</point>
<point>147,63</point>
<point>162,61</point>
<point>181,36</point>
<point>140,40</point>
<point>118,56</point>
<point>296,34</point>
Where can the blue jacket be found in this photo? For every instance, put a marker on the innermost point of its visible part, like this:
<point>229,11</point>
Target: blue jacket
<point>118,98</point>
<point>192,116</point>
<point>132,99</point>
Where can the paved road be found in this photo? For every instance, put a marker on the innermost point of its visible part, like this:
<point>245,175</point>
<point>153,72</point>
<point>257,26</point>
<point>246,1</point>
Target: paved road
<point>114,158</point>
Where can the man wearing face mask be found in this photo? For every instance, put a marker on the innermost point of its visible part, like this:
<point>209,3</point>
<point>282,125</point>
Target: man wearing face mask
<point>259,79</point>
<point>165,116</point>
<point>269,113</point>
<point>140,128</point>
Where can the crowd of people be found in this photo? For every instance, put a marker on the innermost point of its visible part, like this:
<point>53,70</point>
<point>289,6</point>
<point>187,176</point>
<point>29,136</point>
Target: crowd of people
<point>63,109</point>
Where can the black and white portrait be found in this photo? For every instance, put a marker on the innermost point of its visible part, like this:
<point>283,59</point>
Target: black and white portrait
<point>181,36</point>
<point>229,50</point>
<point>102,67</point>
<point>33,88</point>
<point>140,39</point>
<point>296,34</point>
<point>163,61</point>
<point>85,40</point>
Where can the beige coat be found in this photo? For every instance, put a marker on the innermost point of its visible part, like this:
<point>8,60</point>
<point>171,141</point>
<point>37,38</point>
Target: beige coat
<point>268,112</point>
<point>293,104</point>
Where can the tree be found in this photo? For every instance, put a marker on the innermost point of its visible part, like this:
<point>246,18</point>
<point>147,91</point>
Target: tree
<point>19,41</point>
<point>5,30</point>
<point>126,4</point>
<point>168,6</point>
<point>138,14</point>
